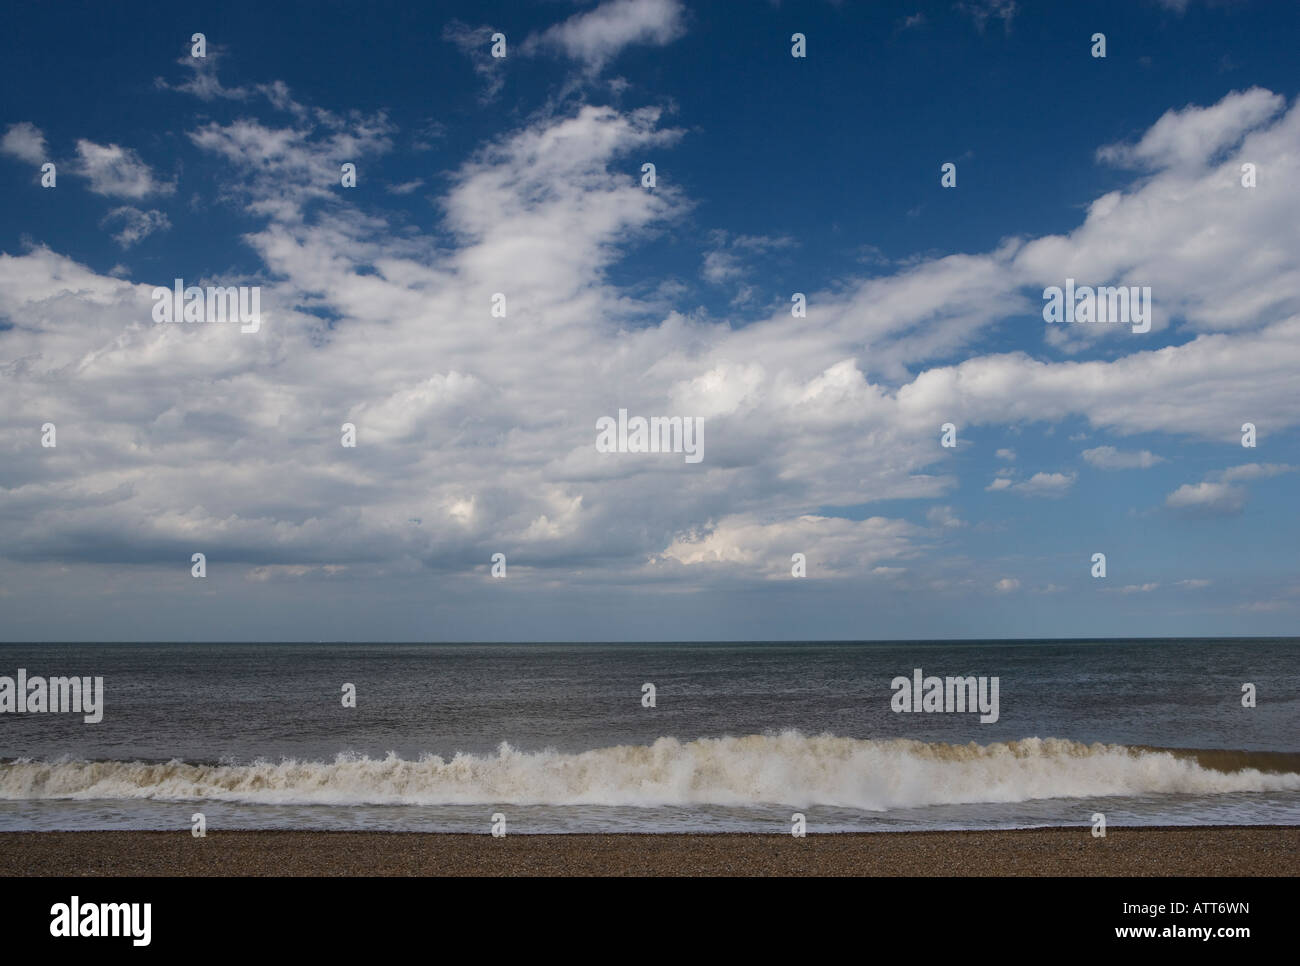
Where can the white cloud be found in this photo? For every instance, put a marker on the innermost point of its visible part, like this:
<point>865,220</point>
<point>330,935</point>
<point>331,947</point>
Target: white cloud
<point>721,267</point>
<point>1208,498</point>
<point>1040,484</point>
<point>1006,585</point>
<point>284,169</point>
<point>1195,135</point>
<point>476,44</point>
<point>731,261</point>
<point>833,546</point>
<point>597,36</point>
<point>279,572</point>
<point>117,172</point>
<point>1254,471</point>
<point>1173,230</point>
<point>1217,496</point>
<point>203,82</point>
<point>1046,484</point>
<point>1109,458</point>
<point>135,225</point>
<point>496,452</point>
<point>1006,454</point>
<point>945,517</point>
<point>25,142</point>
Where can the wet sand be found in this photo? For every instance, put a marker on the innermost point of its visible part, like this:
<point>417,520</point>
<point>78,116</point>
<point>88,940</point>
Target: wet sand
<point>1202,851</point>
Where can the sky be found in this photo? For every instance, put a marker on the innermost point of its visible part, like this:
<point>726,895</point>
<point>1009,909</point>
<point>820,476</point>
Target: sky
<point>502,276</point>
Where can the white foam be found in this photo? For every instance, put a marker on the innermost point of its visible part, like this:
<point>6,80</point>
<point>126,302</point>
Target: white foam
<point>788,769</point>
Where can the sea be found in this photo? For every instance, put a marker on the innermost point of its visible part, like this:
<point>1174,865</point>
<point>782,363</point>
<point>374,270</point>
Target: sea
<point>657,737</point>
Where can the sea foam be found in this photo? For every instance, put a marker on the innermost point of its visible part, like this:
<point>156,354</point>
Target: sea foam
<point>788,769</point>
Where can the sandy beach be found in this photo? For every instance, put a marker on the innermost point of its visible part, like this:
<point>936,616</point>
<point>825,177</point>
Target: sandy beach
<point>1201,851</point>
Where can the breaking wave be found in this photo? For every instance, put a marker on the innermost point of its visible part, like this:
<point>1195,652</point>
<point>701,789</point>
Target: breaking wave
<point>785,769</point>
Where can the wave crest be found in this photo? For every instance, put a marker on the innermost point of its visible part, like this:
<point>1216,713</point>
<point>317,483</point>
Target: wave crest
<point>784,769</point>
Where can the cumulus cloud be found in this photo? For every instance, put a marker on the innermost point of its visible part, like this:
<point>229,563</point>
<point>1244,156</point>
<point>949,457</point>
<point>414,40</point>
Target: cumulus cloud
<point>1195,135</point>
<point>117,172</point>
<point>1207,498</point>
<point>26,142</point>
<point>1046,484</point>
<point>1217,496</point>
<point>476,435</point>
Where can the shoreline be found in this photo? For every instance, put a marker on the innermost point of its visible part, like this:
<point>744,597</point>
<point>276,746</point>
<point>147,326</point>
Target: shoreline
<point>1254,850</point>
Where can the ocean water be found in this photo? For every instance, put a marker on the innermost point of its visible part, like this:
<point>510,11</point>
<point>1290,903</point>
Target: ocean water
<point>556,737</point>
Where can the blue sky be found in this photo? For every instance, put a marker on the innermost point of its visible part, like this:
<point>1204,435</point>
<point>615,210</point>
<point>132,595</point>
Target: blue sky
<point>775,175</point>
